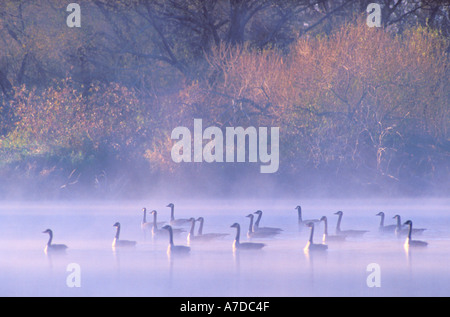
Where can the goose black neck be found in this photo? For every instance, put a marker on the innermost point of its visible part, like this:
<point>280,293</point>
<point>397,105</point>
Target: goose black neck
<point>172,217</point>
<point>399,222</point>
<point>170,235</point>
<point>50,238</point>
<point>250,227</point>
<point>191,232</point>
<point>238,234</point>
<point>311,235</point>
<point>118,232</point>
<point>200,228</point>
<point>144,219</point>
<point>338,225</point>
<point>299,210</point>
<point>154,220</point>
<point>256,225</point>
<point>382,220</point>
<point>410,231</point>
<point>325,226</point>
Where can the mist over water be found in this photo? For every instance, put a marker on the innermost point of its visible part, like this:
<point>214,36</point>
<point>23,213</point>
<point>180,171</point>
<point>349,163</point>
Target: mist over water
<point>212,269</point>
<point>102,104</point>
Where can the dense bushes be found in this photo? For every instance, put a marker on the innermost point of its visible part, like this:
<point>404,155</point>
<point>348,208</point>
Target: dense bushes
<point>62,133</point>
<point>354,101</point>
<point>360,105</point>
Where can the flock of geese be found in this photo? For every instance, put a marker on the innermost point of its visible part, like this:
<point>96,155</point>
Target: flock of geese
<point>254,231</point>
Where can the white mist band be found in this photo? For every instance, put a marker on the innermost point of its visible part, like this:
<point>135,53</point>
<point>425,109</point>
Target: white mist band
<point>213,151</point>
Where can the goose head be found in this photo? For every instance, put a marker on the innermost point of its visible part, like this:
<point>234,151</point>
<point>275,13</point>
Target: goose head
<point>234,225</point>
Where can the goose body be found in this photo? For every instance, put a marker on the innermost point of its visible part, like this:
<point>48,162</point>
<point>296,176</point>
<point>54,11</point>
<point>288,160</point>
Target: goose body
<point>117,243</point>
<point>191,236</point>
<point>258,234</point>
<point>172,248</point>
<point>300,218</point>
<point>157,232</point>
<point>328,238</point>
<point>257,228</point>
<point>176,222</point>
<point>382,228</point>
<point>237,245</point>
<point>350,232</point>
<point>310,245</point>
<point>413,243</point>
<point>207,236</point>
<point>148,225</point>
<point>400,229</point>
<point>53,248</point>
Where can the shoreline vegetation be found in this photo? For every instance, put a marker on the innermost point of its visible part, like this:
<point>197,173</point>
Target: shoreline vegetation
<point>88,112</point>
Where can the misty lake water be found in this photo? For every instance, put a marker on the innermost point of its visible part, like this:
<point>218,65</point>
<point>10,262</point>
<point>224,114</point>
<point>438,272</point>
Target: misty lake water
<point>213,269</point>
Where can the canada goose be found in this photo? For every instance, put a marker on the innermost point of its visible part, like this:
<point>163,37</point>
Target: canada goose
<point>326,237</point>
<point>348,233</point>
<point>258,234</point>
<point>413,243</point>
<point>121,243</point>
<point>382,228</point>
<point>256,226</point>
<point>53,248</point>
<point>401,231</point>
<point>176,222</point>
<point>310,245</point>
<point>237,245</point>
<point>148,225</point>
<point>156,232</point>
<point>211,235</point>
<point>300,219</point>
<point>199,238</point>
<point>175,249</point>
<point>190,236</point>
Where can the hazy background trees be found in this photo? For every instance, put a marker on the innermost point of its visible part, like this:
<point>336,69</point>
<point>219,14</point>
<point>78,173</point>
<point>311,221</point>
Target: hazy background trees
<point>89,110</point>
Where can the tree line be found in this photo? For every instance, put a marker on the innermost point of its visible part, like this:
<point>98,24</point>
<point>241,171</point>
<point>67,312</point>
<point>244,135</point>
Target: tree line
<point>91,109</point>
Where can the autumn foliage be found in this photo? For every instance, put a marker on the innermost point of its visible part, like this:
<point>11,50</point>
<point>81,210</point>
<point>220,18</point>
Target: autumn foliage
<point>363,106</point>
<point>360,100</point>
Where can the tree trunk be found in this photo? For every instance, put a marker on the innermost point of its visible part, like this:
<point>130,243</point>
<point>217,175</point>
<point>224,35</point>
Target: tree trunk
<point>5,85</point>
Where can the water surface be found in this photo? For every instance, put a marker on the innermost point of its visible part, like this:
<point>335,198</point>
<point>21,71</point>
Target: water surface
<point>212,269</point>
